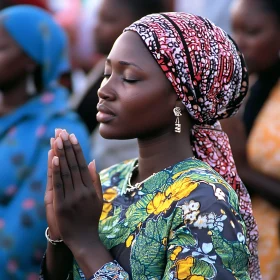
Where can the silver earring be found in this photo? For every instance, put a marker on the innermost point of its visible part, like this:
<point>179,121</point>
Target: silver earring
<point>177,113</point>
<point>30,85</point>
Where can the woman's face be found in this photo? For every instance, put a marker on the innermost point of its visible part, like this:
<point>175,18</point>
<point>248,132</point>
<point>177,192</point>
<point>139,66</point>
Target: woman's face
<point>113,17</point>
<point>136,100</point>
<point>13,61</point>
<point>257,33</point>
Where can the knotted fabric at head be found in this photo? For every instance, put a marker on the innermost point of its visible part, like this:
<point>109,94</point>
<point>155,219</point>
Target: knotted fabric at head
<point>208,74</point>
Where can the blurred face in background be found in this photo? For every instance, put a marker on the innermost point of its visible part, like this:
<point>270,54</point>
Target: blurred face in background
<point>13,61</point>
<point>113,17</point>
<point>256,31</point>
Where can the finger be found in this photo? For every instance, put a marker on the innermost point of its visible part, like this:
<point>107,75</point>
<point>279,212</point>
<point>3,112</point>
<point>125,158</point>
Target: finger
<point>52,142</point>
<point>71,160</point>
<point>85,176</point>
<point>64,169</point>
<point>57,132</point>
<point>95,179</point>
<point>57,180</point>
<point>49,186</point>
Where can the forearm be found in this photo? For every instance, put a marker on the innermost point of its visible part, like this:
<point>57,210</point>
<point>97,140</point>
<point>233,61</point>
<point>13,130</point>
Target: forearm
<point>92,257</point>
<point>59,262</point>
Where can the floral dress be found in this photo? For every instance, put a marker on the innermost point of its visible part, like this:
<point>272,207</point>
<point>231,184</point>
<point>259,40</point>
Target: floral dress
<point>184,223</point>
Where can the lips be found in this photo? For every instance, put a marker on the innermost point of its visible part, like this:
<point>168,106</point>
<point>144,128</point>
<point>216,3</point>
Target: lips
<point>104,114</point>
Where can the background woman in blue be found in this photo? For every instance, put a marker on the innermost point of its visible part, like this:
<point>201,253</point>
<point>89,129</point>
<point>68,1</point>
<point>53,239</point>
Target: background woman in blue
<point>33,54</point>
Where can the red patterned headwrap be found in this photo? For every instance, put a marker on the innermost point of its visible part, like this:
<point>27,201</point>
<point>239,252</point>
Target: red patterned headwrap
<point>209,75</point>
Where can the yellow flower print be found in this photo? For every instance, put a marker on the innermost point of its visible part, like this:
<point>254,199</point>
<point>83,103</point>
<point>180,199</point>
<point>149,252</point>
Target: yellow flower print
<point>175,253</point>
<point>195,277</point>
<point>107,207</point>
<point>178,190</point>
<point>164,241</point>
<point>183,267</point>
<point>110,194</point>
<point>129,241</point>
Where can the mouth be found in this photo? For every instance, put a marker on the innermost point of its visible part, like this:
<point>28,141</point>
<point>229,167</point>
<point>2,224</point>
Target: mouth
<point>104,114</point>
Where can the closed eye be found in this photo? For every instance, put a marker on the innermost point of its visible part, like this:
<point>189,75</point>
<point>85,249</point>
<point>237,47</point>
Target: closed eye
<point>130,81</point>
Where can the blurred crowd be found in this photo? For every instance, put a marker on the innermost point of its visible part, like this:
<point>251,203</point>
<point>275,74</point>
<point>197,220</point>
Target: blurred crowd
<point>56,87</point>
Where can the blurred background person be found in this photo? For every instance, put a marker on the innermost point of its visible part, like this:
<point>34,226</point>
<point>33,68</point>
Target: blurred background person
<point>33,50</point>
<point>216,10</point>
<point>113,17</point>
<point>255,133</point>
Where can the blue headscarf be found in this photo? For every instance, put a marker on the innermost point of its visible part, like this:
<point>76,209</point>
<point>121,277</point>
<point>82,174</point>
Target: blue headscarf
<point>40,37</point>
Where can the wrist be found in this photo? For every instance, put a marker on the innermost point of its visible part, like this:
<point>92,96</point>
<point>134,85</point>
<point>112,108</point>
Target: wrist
<point>50,238</point>
<point>92,257</point>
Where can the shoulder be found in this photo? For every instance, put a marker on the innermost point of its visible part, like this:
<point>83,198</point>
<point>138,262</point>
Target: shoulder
<point>194,180</point>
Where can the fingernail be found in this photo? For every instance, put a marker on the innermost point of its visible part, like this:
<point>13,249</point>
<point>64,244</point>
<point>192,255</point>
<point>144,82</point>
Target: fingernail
<point>73,139</point>
<point>49,153</point>
<point>94,165</point>
<point>56,161</point>
<point>64,135</point>
<point>56,132</point>
<point>59,143</point>
<point>52,141</point>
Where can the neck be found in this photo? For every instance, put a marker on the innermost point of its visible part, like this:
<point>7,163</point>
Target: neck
<point>158,153</point>
<point>13,98</point>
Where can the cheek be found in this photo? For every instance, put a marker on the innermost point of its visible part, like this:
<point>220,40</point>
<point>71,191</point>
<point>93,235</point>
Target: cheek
<point>261,52</point>
<point>264,44</point>
<point>146,110</point>
<point>10,67</point>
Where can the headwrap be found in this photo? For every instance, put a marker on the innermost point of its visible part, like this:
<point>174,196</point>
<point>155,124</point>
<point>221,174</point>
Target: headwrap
<point>40,37</point>
<point>209,75</point>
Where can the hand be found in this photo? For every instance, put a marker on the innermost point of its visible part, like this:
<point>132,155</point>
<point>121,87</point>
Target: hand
<point>77,200</point>
<point>53,229</point>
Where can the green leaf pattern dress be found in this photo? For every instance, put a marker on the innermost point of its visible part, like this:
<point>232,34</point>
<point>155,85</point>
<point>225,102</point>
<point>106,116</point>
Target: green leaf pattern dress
<point>183,223</point>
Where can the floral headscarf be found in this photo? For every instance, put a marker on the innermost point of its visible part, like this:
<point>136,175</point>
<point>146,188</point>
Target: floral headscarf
<point>209,75</point>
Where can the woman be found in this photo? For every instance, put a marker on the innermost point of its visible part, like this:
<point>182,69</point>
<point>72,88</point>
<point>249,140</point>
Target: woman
<point>32,53</point>
<point>167,214</point>
<point>113,17</point>
<point>256,28</point>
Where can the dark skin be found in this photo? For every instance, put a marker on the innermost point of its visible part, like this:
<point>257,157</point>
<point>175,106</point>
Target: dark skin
<point>135,100</point>
<point>257,33</point>
<point>113,17</point>
<point>14,68</point>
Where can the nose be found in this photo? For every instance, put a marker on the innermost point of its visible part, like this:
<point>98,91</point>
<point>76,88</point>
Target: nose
<point>105,91</point>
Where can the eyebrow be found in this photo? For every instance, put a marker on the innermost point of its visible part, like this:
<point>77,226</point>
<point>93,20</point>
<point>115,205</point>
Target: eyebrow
<point>125,63</point>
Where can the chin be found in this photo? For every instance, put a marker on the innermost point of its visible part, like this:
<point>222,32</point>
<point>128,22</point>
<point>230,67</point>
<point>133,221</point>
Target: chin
<point>113,134</point>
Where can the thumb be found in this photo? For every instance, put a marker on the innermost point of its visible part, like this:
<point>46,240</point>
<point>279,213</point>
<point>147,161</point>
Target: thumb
<point>95,179</point>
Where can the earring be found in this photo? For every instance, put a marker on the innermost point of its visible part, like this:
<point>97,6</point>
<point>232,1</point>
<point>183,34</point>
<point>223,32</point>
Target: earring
<point>30,85</point>
<point>177,113</point>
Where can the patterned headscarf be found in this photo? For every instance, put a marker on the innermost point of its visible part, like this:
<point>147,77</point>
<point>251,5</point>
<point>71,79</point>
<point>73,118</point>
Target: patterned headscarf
<point>208,74</point>
<point>41,38</point>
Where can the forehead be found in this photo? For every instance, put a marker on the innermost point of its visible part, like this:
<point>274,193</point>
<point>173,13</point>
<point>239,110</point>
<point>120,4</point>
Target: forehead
<point>251,10</point>
<point>4,36</point>
<point>130,47</point>
<point>114,8</point>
